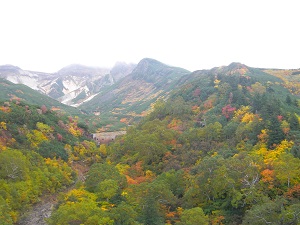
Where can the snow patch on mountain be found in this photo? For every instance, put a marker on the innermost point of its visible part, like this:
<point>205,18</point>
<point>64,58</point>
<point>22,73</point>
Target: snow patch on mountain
<point>72,85</point>
<point>86,100</point>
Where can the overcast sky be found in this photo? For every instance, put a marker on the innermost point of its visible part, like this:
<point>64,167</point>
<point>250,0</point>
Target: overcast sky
<point>46,35</point>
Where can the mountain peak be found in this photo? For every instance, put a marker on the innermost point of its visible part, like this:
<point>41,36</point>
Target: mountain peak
<point>9,67</point>
<point>81,70</point>
<point>232,68</point>
<point>235,65</point>
<point>149,68</point>
<point>121,69</point>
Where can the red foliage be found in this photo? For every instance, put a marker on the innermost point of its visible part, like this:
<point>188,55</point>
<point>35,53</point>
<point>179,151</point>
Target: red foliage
<point>228,110</point>
<point>44,109</point>
<point>61,124</point>
<point>59,137</point>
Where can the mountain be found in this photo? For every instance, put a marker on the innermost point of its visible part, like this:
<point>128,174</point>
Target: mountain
<point>127,91</point>
<point>223,148</point>
<point>133,95</point>
<point>71,85</point>
<point>219,146</point>
<point>121,69</point>
<point>19,76</point>
<point>20,92</point>
<point>224,142</point>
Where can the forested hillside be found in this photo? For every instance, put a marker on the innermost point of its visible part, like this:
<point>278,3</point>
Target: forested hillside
<point>130,98</point>
<point>223,149</point>
<point>39,151</point>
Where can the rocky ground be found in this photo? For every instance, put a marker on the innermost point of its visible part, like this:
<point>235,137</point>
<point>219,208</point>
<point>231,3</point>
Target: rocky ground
<point>43,209</point>
<point>39,212</point>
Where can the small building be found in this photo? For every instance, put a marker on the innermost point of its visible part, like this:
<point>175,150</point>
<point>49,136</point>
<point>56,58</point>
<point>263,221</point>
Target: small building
<point>106,137</point>
<point>96,113</point>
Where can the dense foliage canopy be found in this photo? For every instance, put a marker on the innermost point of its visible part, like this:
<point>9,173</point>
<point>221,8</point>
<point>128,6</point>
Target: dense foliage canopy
<point>223,149</point>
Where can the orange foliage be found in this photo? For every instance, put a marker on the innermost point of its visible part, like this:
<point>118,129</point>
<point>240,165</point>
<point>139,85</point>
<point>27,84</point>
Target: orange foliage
<point>217,220</point>
<point>175,124</point>
<point>5,109</point>
<point>136,175</point>
<point>294,192</point>
<point>55,108</point>
<point>268,177</point>
<point>263,136</point>
<point>136,180</point>
<point>173,142</point>
<point>208,104</point>
<point>196,109</point>
<point>124,120</point>
<point>130,180</point>
<point>171,216</point>
<point>285,126</point>
<point>168,155</point>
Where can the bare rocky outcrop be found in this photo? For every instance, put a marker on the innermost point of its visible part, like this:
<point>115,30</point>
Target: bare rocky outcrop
<point>39,212</point>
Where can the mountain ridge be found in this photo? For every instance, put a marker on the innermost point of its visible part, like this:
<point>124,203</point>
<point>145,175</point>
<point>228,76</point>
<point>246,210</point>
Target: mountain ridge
<point>127,91</point>
<point>71,85</point>
<point>133,95</point>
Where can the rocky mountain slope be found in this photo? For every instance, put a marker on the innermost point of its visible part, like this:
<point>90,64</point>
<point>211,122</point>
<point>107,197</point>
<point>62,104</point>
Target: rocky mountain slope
<point>134,94</point>
<point>127,91</point>
<point>22,93</point>
<point>71,85</point>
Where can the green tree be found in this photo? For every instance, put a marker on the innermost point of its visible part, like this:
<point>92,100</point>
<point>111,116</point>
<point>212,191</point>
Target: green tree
<point>124,214</point>
<point>194,216</point>
<point>175,181</point>
<point>275,133</point>
<point>294,122</point>
<point>13,165</point>
<point>80,207</point>
<point>107,189</point>
<point>5,218</point>
<point>82,212</point>
<point>288,100</point>
<point>275,212</point>
<point>287,169</point>
<point>99,172</point>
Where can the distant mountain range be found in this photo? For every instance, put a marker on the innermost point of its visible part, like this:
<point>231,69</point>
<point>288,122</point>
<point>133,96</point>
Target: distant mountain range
<point>133,94</point>
<point>125,91</point>
<point>71,85</point>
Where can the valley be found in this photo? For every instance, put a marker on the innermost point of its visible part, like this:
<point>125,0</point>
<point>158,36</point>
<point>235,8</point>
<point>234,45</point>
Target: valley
<point>160,145</point>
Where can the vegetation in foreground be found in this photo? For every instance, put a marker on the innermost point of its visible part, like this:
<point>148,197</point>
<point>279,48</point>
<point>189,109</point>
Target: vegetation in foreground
<point>222,150</point>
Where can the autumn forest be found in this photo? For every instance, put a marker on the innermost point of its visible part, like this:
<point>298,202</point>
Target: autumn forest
<point>223,148</point>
